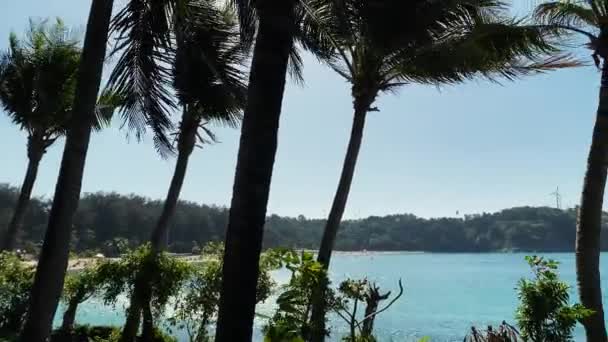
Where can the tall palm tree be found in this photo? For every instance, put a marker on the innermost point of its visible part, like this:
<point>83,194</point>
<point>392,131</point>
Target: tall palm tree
<point>279,25</point>
<point>257,149</point>
<point>589,20</point>
<point>52,264</point>
<point>144,33</point>
<point>37,86</point>
<point>383,45</point>
<point>207,40</point>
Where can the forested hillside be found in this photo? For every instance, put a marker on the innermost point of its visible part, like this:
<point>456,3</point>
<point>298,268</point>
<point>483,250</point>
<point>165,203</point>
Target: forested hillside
<point>108,222</point>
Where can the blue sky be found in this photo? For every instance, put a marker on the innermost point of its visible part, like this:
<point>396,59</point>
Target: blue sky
<point>470,148</point>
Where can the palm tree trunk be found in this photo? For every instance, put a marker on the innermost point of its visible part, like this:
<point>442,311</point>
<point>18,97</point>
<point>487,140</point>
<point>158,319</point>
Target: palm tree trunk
<point>129,330</point>
<point>589,223</point>
<point>335,216</point>
<point>187,140</point>
<point>69,316</point>
<point>35,151</point>
<point>52,265</point>
<point>147,333</point>
<point>254,171</point>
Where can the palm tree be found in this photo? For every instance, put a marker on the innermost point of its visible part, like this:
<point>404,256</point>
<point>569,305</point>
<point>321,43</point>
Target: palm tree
<point>279,25</point>
<point>52,264</point>
<point>37,86</point>
<point>258,144</point>
<point>386,44</point>
<point>144,34</point>
<point>207,40</point>
<point>589,20</point>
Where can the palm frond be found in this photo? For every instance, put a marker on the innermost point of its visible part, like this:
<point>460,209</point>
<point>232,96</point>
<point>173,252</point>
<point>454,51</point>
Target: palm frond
<point>317,31</point>
<point>107,104</point>
<point>383,44</point>
<point>574,16</point>
<point>216,91</point>
<point>207,136</point>
<point>246,14</point>
<point>295,67</point>
<point>142,75</point>
<point>503,49</point>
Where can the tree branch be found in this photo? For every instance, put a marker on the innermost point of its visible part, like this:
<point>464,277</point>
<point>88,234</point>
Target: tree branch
<point>387,306</point>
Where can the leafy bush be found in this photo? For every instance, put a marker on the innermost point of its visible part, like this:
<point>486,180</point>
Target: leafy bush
<point>504,333</point>
<point>166,275</point>
<point>16,279</point>
<point>197,304</point>
<point>80,286</point>
<point>100,334</point>
<point>291,322</point>
<point>544,313</point>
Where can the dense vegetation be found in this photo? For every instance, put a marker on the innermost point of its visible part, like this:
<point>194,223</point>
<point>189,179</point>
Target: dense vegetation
<point>107,222</point>
<point>544,313</point>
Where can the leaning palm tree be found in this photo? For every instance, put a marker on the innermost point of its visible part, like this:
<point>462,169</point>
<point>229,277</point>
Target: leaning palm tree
<point>382,45</point>
<point>281,30</point>
<point>53,260</point>
<point>274,41</point>
<point>37,86</point>
<point>207,40</point>
<point>144,34</point>
<point>589,20</point>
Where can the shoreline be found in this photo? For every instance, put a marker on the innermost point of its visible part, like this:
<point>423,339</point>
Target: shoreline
<point>78,264</point>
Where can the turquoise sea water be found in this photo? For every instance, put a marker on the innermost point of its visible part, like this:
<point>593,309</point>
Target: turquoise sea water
<point>444,293</point>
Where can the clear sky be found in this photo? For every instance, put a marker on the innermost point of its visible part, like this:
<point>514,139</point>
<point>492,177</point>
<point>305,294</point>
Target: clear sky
<point>431,152</point>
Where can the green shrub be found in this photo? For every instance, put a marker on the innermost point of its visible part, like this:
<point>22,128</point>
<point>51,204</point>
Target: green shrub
<point>78,287</point>
<point>84,333</point>
<point>100,334</point>
<point>16,279</point>
<point>544,313</point>
<point>197,304</point>
<point>291,322</point>
<point>504,333</point>
<point>6,337</point>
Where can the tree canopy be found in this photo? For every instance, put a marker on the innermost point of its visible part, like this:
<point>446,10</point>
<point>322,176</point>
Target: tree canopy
<point>109,222</point>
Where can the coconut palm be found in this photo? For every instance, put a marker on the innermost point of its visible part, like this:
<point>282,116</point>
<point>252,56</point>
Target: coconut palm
<point>145,36</point>
<point>53,260</point>
<point>383,45</point>
<point>37,86</point>
<point>207,40</point>
<point>274,42</point>
<point>281,31</point>
<point>589,20</point>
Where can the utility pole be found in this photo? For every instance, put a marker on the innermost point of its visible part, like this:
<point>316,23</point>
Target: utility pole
<point>558,198</point>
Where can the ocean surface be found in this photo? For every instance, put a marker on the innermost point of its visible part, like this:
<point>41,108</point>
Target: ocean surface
<point>445,294</point>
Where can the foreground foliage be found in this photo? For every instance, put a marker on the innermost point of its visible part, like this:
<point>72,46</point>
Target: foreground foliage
<point>291,322</point>
<point>191,292</point>
<point>544,313</point>
<point>196,305</point>
<point>16,280</point>
<point>504,333</point>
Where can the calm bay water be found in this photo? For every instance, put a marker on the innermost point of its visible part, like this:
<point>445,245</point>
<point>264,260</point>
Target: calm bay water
<point>444,293</point>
